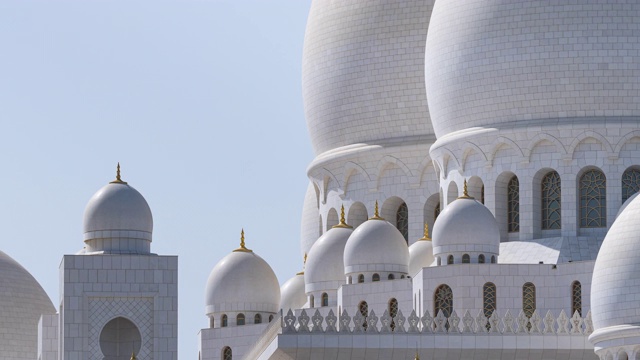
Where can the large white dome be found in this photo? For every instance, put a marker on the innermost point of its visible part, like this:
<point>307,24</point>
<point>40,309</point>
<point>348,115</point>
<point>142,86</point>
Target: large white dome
<point>502,63</point>
<point>22,301</point>
<point>242,281</point>
<point>325,264</point>
<point>420,254</point>
<point>615,288</point>
<point>376,246</point>
<point>466,227</point>
<point>292,293</point>
<point>363,71</point>
<point>118,219</point>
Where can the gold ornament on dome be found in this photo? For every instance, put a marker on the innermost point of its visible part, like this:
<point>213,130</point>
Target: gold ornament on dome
<point>376,214</point>
<point>242,247</point>
<point>118,180</point>
<point>343,223</point>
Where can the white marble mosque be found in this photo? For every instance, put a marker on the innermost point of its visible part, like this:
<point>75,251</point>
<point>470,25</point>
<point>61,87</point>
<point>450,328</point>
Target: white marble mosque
<point>510,128</point>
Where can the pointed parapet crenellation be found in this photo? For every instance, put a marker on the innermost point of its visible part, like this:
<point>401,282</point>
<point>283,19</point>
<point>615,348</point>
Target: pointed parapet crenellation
<point>454,322</point>
<point>494,322</point>
<point>289,322</point>
<point>523,323</point>
<point>507,322</point>
<point>427,322</point>
<point>316,321</point>
<point>441,322</point>
<point>303,322</point>
<point>359,323</point>
<point>468,323</point>
<point>345,321</point>
<point>549,323</point>
<point>372,322</point>
<point>414,322</point>
<point>482,322</point>
<point>399,321</point>
<point>588,324</point>
<point>576,323</point>
<point>331,321</point>
<point>385,322</point>
<point>535,322</point>
<point>563,323</point>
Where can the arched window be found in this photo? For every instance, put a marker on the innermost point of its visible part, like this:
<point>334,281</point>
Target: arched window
<point>257,319</point>
<point>576,298</point>
<point>449,259</point>
<point>466,259</point>
<point>226,353</point>
<point>481,259</point>
<point>436,211</point>
<point>360,278</point>
<point>363,308</point>
<point>528,300</point>
<point>391,277</point>
<point>118,338</point>
<point>493,259</point>
<point>240,319</point>
<point>551,201</point>
<point>393,312</point>
<point>513,205</point>
<point>630,183</point>
<point>443,301</point>
<point>402,221</point>
<point>593,199</point>
<point>312,301</point>
<point>223,321</point>
<point>375,277</point>
<point>325,299</point>
<point>270,318</point>
<point>488,300</point>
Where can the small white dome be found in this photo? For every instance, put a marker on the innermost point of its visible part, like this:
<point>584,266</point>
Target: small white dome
<point>292,291</point>
<point>242,281</point>
<point>420,256</point>
<point>376,246</point>
<point>615,294</point>
<point>325,262</point>
<point>466,226</point>
<point>22,301</point>
<point>118,219</point>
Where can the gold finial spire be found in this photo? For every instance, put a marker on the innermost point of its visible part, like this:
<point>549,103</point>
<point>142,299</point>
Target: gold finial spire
<point>417,356</point>
<point>426,232</point>
<point>304,264</point>
<point>118,180</point>
<point>376,214</point>
<point>242,247</point>
<point>465,191</point>
<point>343,223</point>
<point>133,355</point>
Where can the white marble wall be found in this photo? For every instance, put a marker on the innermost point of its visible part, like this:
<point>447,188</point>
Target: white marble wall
<point>98,288</point>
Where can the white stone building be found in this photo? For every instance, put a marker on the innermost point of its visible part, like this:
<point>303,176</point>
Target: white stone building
<point>509,127</point>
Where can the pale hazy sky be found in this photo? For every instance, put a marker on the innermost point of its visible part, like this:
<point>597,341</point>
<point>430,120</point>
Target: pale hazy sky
<point>201,103</point>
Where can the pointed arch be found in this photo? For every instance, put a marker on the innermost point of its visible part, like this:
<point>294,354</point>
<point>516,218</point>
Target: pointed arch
<point>350,168</point>
<point>590,134</point>
<point>538,139</point>
<point>501,142</point>
<point>385,163</point>
<point>469,149</point>
<point>625,139</point>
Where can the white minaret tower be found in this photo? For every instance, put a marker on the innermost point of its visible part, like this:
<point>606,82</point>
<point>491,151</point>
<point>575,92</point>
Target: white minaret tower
<point>116,297</point>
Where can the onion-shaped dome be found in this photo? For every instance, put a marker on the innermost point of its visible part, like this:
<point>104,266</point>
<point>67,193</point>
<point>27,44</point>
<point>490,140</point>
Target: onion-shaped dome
<point>292,291</point>
<point>466,226</point>
<point>325,265</point>
<point>309,232</point>
<point>615,294</point>
<point>242,281</point>
<point>118,220</point>
<point>488,76</point>
<point>22,302</point>
<point>362,71</point>
<point>421,253</point>
<point>376,246</point>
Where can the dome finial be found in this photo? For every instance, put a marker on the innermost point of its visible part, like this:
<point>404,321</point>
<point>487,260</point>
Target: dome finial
<point>305,259</point>
<point>426,232</point>
<point>118,180</point>
<point>343,223</point>
<point>304,264</point>
<point>417,356</point>
<point>376,214</point>
<point>465,191</point>
<point>133,355</point>
<point>242,247</point>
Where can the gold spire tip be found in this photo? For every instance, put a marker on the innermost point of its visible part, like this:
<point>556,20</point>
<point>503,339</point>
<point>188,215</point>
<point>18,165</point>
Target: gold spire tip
<point>304,264</point>
<point>343,223</point>
<point>118,180</point>
<point>376,214</point>
<point>133,355</point>
<point>465,191</point>
<point>426,232</point>
<point>242,247</point>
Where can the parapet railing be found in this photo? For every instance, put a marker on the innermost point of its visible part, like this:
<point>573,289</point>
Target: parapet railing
<point>440,324</point>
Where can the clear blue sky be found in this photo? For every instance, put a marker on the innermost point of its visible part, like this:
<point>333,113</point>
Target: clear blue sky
<point>201,103</point>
